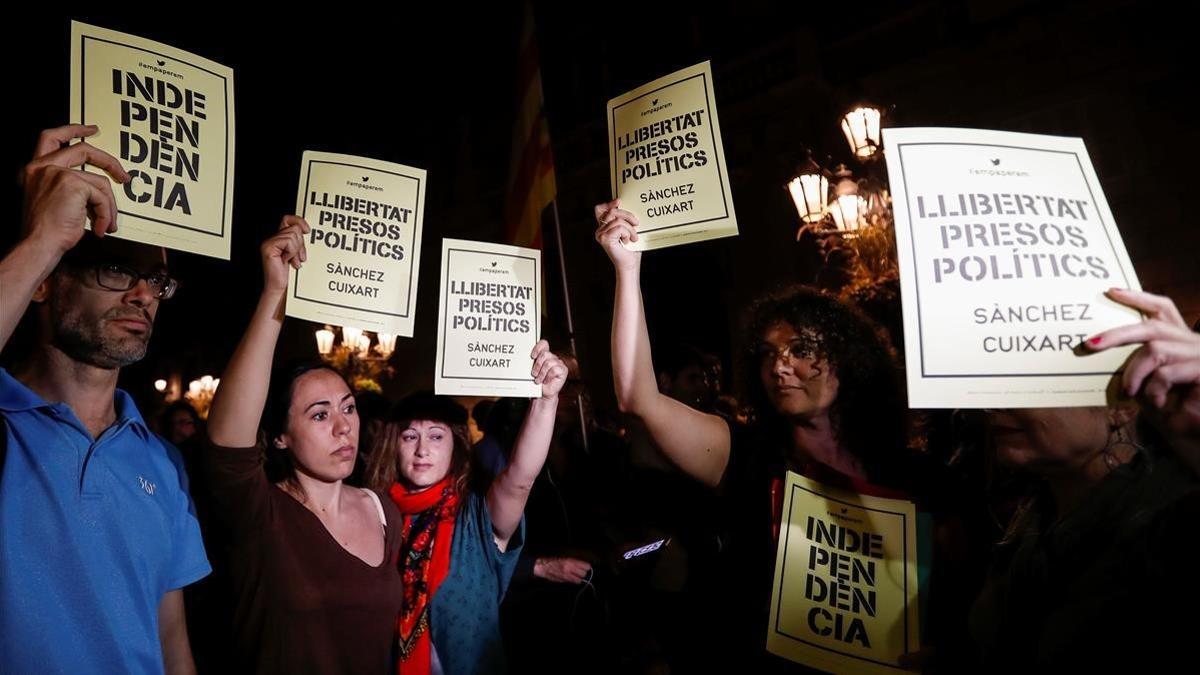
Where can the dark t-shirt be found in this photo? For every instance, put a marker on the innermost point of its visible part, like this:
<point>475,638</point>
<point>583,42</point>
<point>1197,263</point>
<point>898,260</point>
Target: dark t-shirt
<point>304,604</point>
<point>751,492</point>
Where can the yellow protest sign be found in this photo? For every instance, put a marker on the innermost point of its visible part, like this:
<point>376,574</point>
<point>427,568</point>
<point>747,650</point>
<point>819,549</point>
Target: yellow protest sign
<point>167,115</point>
<point>845,592</point>
<point>488,319</point>
<point>667,161</point>
<point>364,248</point>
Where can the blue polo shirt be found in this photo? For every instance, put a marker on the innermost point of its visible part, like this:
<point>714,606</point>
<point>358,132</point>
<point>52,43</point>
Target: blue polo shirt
<point>93,533</point>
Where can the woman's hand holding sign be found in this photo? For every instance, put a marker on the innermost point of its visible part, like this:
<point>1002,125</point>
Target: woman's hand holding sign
<point>548,370</point>
<point>237,408</point>
<point>615,228</point>
<point>1165,369</point>
<point>282,251</point>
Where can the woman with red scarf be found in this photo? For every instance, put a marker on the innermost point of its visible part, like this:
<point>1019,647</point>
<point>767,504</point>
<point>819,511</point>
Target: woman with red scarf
<point>459,547</point>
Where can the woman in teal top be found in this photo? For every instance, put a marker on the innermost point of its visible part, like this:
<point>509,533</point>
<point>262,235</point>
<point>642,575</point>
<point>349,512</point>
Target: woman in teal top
<point>459,545</point>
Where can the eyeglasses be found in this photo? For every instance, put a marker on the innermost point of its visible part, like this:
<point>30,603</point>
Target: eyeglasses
<point>791,354</point>
<point>121,278</point>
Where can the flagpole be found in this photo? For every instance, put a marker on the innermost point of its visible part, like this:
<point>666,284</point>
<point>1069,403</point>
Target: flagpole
<point>562,268</point>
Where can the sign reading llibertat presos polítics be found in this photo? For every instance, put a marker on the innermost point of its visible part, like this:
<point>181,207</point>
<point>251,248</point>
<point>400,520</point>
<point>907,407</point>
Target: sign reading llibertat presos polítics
<point>488,319</point>
<point>364,245</point>
<point>1006,246</point>
<point>167,115</point>
<point>667,160</point>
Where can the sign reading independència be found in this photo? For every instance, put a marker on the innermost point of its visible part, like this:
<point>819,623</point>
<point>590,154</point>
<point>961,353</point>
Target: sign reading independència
<point>845,596</point>
<point>167,115</point>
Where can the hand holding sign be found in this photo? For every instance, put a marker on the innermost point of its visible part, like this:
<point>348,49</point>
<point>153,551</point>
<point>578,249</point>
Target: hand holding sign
<point>1165,369</point>
<point>284,250</point>
<point>549,371</point>
<point>614,228</point>
<point>59,199</point>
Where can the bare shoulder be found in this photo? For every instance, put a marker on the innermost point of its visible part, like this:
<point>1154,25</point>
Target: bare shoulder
<point>370,503</point>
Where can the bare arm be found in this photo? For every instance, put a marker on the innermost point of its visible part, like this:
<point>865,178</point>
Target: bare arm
<point>21,272</point>
<point>172,635</point>
<point>238,404</point>
<point>58,201</point>
<point>696,442</point>
<point>510,490</point>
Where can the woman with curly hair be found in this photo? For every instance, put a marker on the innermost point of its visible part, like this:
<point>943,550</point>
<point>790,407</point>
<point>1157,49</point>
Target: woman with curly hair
<point>826,392</point>
<point>819,374</point>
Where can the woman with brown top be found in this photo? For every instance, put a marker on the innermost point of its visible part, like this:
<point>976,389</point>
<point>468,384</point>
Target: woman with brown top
<point>313,559</point>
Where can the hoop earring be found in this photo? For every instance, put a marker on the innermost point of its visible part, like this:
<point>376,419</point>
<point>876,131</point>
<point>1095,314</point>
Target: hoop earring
<point>1118,438</point>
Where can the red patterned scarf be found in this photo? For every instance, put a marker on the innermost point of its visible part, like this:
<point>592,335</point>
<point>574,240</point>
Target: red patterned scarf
<point>424,562</point>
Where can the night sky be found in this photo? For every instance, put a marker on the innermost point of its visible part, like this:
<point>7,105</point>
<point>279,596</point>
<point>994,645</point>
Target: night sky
<point>434,88</point>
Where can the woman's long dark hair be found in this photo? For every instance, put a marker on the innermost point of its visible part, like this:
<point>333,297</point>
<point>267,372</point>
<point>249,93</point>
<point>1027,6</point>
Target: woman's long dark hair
<point>868,416</point>
<point>280,466</point>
